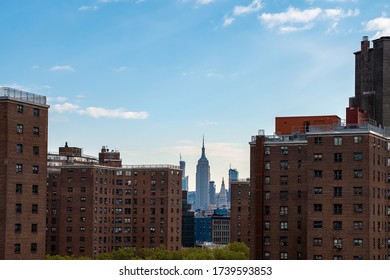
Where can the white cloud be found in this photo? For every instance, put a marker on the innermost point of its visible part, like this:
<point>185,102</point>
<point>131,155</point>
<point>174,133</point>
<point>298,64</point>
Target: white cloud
<point>97,112</point>
<point>34,67</point>
<point>213,74</point>
<point>123,69</point>
<point>294,19</point>
<point>63,108</point>
<point>228,21</point>
<point>88,8</point>
<point>204,2</point>
<point>59,99</point>
<point>253,7</point>
<point>381,25</point>
<point>66,68</point>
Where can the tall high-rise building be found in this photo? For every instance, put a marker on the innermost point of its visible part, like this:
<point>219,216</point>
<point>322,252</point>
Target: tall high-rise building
<point>372,83</point>
<point>213,193</point>
<point>185,178</point>
<point>233,176</point>
<point>202,201</point>
<point>23,149</point>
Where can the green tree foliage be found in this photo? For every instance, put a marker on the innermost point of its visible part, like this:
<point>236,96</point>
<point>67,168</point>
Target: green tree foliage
<point>232,251</point>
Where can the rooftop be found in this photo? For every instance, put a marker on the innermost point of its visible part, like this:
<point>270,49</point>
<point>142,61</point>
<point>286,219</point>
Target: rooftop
<point>18,94</point>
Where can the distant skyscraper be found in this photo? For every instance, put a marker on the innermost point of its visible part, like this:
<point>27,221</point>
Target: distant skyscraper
<point>184,178</point>
<point>233,176</point>
<point>222,196</point>
<point>202,182</point>
<point>212,191</point>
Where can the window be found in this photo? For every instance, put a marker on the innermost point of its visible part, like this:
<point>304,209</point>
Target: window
<point>358,139</point>
<point>17,248</point>
<point>357,191</point>
<point>338,157</point>
<point>19,148</point>
<point>284,225</point>
<point>267,165</point>
<point>358,208</point>
<point>18,208</point>
<point>317,140</point>
<point>266,210</point>
<point>318,173</point>
<point>317,241</point>
<point>267,225</point>
<point>35,169</point>
<point>338,141</point>
<point>357,156</point>
<point>317,224</point>
<point>284,150</point>
<point>357,225</point>
<point>267,150</point>
<point>283,210</point>
<point>34,228</point>
<point>35,189</point>
<point>317,157</point>
<point>317,207</point>
<point>19,168</point>
<point>284,180</point>
<point>34,208</point>
<point>318,190</point>
<point>36,112</point>
<point>283,256</point>
<point>36,131</point>
<point>18,228</point>
<point>337,209</point>
<point>337,191</point>
<point>357,173</point>
<point>284,164</point>
<point>337,225</point>
<point>35,150</point>
<point>19,108</point>
<point>267,180</point>
<point>18,188</point>
<point>267,195</point>
<point>283,195</point>
<point>19,128</point>
<point>337,243</point>
<point>358,242</point>
<point>337,174</point>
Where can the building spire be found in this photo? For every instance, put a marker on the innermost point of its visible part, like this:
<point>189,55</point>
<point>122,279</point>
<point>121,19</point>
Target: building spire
<point>203,149</point>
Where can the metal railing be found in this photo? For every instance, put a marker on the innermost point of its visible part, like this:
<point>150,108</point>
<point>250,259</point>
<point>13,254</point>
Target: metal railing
<point>23,95</point>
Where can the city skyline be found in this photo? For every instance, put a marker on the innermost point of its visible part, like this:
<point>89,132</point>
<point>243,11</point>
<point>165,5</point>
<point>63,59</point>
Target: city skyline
<point>150,78</point>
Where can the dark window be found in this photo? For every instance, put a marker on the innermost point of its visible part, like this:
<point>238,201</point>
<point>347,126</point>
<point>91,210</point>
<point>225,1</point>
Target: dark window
<point>34,247</point>
<point>19,188</point>
<point>19,148</point>
<point>317,224</point>
<point>338,157</point>
<point>283,195</point>
<point>34,228</point>
<point>35,189</point>
<point>34,209</point>
<point>357,190</point>
<point>318,173</point>
<point>19,128</point>
<point>17,248</point>
<point>318,190</point>
<point>337,174</point>
<point>18,228</point>
<point>337,209</point>
<point>35,150</point>
<point>19,168</point>
<point>357,156</point>
<point>317,207</point>
<point>19,108</point>
<point>337,225</point>
<point>18,208</point>
<point>317,140</point>
<point>357,173</point>
<point>358,208</point>
<point>337,191</point>
<point>35,169</point>
<point>36,112</point>
<point>317,157</point>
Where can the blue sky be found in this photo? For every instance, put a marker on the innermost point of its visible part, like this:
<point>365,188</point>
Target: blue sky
<point>151,77</point>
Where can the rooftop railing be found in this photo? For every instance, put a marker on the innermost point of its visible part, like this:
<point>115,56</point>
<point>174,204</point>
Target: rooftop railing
<point>23,95</point>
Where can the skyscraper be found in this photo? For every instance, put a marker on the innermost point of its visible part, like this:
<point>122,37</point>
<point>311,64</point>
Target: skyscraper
<point>184,178</point>
<point>222,196</point>
<point>202,201</point>
<point>372,86</point>
<point>23,149</point>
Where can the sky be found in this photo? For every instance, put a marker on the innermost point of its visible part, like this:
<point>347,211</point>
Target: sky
<point>151,78</point>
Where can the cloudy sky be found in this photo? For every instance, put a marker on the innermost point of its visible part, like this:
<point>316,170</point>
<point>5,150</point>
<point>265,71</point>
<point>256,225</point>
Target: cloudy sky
<point>151,77</point>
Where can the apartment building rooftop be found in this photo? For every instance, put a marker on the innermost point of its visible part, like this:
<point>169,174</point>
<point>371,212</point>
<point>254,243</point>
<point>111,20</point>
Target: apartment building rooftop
<point>17,94</point>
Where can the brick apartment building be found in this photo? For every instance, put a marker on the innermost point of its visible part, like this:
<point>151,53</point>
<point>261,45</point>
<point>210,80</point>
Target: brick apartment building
<point>240,211</point>
<point>23,150</point>
<point>96,208</point>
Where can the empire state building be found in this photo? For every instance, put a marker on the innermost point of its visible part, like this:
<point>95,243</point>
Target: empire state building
<point>202,201</point>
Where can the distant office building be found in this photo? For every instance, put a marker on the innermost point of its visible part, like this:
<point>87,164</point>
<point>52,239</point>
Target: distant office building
<point>202,201</point>
<point>213,194</point>
<point>240,211</point>
<point>97,208</point>
<point>188,223</point>
<point>233,176</point>
<point>23,149</point>
<point>222,196</point>
<point>202,229</point>
<point>191,195</point>
<point>220,229</point>
<point>185,178</point>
